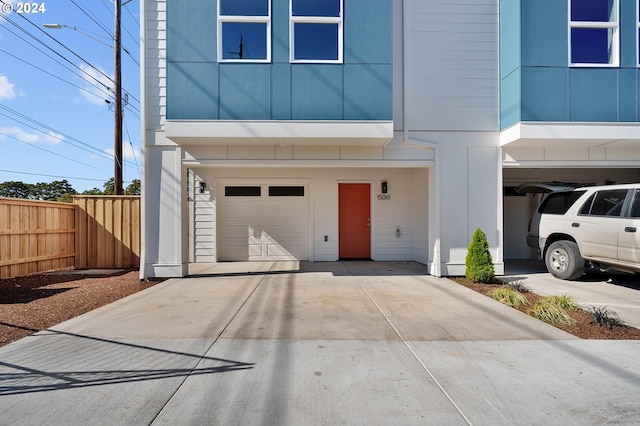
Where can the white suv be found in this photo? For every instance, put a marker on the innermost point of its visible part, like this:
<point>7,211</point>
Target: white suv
<point>597,224</point>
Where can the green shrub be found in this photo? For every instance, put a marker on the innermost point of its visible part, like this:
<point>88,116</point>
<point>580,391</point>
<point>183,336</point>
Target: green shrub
<point>508,296</point>
<point>547,309</point>
<point>479,264</point>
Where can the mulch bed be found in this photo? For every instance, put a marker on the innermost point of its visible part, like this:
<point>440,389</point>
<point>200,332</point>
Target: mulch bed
<point>36,302</point>
<point>586,327</point>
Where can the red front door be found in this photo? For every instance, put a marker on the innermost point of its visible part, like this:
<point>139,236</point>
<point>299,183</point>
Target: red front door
<point>354,204</point>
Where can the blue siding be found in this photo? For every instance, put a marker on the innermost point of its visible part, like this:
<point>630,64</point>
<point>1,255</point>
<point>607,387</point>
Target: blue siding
<point>510,61</point>
<point>200,88</point>
<point>316,92</point>
<point>537,83</point>
<point>194,79</point>
<point>544,32</point>
<point>245,90</point>
<point>545,94</point>
<point>594,94</point>
<point>366,35</point>
<point>186,41</point>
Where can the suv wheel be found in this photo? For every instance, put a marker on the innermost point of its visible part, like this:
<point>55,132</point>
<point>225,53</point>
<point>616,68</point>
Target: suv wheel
<point>563,260</point>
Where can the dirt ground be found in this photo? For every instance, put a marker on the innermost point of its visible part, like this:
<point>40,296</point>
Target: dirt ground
<point>585,326</point>
<point>37,302</point>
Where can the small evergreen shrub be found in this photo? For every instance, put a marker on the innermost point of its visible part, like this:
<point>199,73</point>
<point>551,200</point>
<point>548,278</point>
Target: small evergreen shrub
<point>508,296</point>
<point>479,264</point>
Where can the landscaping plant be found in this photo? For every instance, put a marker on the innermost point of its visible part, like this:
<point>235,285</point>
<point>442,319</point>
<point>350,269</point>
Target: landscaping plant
<point>479,264</point>
<point>508,296</point>
<point>604,317</point>
<point>548,309</point>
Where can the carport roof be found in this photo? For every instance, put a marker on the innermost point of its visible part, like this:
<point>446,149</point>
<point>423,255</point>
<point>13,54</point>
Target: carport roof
<point>571,134</point>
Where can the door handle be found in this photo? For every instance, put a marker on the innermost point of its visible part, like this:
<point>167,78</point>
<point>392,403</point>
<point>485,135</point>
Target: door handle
<point>369,222</point>
<point>630,229</point>
<point>575,225</point>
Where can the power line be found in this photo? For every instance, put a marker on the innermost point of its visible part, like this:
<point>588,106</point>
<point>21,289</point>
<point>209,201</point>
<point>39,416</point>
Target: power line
<point>89,148</point>
<point>51,74</point>
<point>55,176</point>
<point>49,151</point>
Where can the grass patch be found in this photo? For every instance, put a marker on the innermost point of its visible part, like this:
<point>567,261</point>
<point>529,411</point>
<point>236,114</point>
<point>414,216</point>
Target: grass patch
<point>507,295</point>
<point>553,309</point>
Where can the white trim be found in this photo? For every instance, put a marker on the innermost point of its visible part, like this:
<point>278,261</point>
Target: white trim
<point>244,19</point>
<point>190,131</point>
<point>316,20</point>
<point>590,134</point>
<point>615,42</point>
<point>411,164</point>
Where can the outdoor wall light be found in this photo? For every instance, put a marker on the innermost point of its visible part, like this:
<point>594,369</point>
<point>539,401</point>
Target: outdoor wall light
<point>203,186</point>
<point>384,187</point>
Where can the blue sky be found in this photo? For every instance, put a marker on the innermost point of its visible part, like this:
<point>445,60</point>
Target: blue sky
<point>54,121</point>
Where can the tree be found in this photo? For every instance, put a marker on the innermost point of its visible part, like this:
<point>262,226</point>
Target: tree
<point>59,189</point>
<point>94,191</point>
<point>133,188</point>
<point>14,189</point>
<point>109,187</point>
<point>479,264</point>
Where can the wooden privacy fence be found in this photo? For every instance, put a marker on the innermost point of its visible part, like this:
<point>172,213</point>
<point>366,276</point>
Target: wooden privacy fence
<point>94,232</point>
<point>35,236</point>
<point>107,231</point>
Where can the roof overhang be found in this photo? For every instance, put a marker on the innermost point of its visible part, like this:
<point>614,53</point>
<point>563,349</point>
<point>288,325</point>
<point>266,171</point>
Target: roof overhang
<point>338,132</point>
<point>577,135</point>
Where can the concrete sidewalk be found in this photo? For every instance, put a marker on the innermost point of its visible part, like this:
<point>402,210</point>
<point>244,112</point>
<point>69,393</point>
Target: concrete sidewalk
<point>317,343</point>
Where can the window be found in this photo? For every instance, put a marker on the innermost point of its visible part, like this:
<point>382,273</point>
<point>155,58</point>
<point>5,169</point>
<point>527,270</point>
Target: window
<point>559,202</point>
<point>244,30</point>
<point>242,191</point>
<point>286,191</point>
<point>593,33</point>
<point>635,207</point>
<point>316,31</point>
<point>605,203</point>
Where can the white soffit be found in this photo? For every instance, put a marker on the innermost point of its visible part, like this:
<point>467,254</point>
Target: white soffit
<point>577,135</point>
<point>364,133</point>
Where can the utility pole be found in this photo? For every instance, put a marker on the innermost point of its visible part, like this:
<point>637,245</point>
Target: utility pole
<point>117,80</point>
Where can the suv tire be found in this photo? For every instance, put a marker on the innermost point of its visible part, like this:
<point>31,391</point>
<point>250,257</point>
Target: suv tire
<point>563,260</point>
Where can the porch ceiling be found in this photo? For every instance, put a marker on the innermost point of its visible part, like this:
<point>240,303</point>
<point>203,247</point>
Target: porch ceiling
<point>358,133</point>
<point>571,135</point>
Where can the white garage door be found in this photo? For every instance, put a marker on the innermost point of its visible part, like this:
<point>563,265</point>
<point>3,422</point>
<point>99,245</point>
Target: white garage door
<point>263,222</point>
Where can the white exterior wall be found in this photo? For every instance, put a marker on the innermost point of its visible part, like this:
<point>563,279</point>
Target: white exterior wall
<point>448,56</point>
<point>445,76</point>
<point>386,215</point>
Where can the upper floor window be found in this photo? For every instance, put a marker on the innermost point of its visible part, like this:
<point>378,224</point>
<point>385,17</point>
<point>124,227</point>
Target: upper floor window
<point>244,30</point>
<point>593,33</point>
<point>316,31</point>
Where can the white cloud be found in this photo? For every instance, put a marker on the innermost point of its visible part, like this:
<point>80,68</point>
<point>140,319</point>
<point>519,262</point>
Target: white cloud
<point>23,136</point>
<point>6,88</point>
<point>96,95</point>
<point>129,152</point>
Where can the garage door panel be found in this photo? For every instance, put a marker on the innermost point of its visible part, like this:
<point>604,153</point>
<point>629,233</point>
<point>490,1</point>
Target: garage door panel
<point>263,228</point>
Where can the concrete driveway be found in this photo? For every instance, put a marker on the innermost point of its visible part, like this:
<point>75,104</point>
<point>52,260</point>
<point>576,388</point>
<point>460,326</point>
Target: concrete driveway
<point>617,291</point>
<point>351,343</point>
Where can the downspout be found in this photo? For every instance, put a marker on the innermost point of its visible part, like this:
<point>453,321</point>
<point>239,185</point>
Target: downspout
<point>434,210</point>
<point>143,125</point>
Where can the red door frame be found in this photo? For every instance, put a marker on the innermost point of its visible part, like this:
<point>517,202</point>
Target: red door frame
<point>354,220</point>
